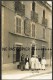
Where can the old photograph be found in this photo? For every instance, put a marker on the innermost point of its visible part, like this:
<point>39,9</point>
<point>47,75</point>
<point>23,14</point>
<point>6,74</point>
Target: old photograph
<point>26,32</point>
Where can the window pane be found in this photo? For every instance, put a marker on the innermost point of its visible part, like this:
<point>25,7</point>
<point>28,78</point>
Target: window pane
<point>19,22</point>
<point>18,25</point>
<point>16,21</point>
<point>19,29</point>
<point>16,28</point>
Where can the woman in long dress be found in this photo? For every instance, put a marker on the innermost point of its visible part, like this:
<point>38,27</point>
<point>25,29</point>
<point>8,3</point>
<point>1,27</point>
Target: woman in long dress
<point>32,62</point>
<point>43,63</point>
<point>39,66</point>
<point>27,63</point>
<point>36,63</point>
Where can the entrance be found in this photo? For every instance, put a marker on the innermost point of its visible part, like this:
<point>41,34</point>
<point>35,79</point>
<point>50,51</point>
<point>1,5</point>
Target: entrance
<point>43,52</point>
<point>33,50</point>
<point>18,49</point>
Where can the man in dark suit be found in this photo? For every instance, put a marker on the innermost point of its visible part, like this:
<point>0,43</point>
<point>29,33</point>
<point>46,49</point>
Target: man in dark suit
<point>22,62</point>
<point>27,62</point>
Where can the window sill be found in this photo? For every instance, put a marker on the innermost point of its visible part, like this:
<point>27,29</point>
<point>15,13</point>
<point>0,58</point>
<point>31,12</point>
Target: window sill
<point>28,37</point>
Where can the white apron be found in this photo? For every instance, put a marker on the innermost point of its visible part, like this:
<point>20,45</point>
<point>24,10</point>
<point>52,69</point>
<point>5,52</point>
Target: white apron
<point>43,64</point>
<point>36,63</point>
<point>39,65</point>
<point>32,61</point>
<point>27,65</point>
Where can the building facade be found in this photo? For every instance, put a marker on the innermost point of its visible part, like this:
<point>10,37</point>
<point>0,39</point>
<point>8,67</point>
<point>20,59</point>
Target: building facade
<point>26,28</point>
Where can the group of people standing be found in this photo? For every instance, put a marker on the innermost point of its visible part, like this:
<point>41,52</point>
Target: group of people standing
<point>35,63</point>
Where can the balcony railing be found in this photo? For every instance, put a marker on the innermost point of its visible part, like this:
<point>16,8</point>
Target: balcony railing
<point>44,22</point>
<point>34,16</point>
<point>19,8</point>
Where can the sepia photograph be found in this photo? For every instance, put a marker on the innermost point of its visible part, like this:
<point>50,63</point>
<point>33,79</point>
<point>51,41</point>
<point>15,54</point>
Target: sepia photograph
<point>26,30</point>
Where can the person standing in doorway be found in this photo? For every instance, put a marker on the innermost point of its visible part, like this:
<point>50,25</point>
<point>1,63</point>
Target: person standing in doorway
<point>22,62</point>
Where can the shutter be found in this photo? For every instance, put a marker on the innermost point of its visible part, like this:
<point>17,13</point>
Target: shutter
<point>27,27</point>
<point>44,33</point>
<point>33,30</point>
<point>17,24</point>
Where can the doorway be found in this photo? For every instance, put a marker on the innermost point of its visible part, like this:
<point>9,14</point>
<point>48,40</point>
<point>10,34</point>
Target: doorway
<point>43,52</point>
<point>18,49</point>
<point>32,50</point>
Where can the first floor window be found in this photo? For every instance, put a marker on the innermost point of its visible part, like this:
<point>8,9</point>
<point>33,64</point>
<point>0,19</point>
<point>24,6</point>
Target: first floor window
<point>27,27</point>
<point>43,33</point>
<point>33,30</point>
<point>18,25</point>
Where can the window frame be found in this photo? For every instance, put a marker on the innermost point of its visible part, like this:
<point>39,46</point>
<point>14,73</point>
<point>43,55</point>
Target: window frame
<point>19,17</point>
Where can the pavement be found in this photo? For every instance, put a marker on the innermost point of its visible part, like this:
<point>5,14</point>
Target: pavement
<point>18,74</point>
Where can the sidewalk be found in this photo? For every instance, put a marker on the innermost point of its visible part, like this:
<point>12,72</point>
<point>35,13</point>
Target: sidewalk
<point>18,74</point>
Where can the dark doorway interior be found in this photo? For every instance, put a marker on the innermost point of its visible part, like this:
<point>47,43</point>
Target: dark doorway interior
<point>43,52</point>
<point>18,49</point>
<point>32,52</point>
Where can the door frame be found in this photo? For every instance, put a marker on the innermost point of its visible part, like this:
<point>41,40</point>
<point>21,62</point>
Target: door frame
<point>18,44</point>
<point>35,48</point>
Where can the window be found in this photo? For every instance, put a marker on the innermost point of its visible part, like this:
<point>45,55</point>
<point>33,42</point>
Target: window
<point>27,27</point>
<point>33,6</point>
<point>43,52</point>
<point>33,30</point>
<point>18,25</point>
<point>44,14</point>
<point>43,33</point>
